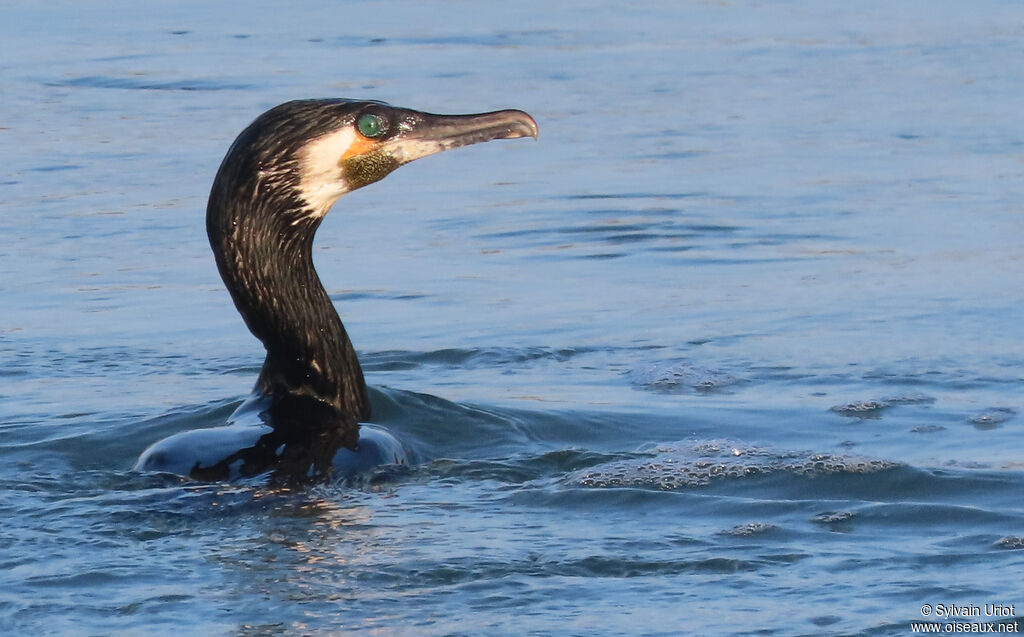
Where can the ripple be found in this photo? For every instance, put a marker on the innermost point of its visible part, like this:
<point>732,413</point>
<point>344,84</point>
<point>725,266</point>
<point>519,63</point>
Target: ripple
<point>636,195</point>
<point>467,358</point>
<point>143,84</point>
<point>470,569</point>
<point>499,38</point>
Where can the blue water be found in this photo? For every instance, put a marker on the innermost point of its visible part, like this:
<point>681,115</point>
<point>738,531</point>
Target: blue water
<point>734,348</point>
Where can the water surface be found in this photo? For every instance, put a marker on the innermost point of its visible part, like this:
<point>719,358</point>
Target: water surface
<point>734,348</point>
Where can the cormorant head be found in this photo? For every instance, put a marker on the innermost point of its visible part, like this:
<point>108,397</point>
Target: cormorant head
<point>322,149</point>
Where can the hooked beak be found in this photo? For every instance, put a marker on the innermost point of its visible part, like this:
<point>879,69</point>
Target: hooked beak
<point>427,133</point>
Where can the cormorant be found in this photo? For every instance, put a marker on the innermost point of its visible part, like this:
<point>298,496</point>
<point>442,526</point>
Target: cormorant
<point>276,183</point>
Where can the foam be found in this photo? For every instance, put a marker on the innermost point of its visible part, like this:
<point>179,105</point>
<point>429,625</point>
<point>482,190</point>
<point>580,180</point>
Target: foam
<point>685,464</point>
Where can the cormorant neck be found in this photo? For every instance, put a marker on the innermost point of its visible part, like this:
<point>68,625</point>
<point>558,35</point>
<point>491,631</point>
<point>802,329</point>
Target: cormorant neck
<point>262,236</point>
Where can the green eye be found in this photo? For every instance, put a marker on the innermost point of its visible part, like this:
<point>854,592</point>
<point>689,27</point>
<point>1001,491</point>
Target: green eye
<point>371,125</point>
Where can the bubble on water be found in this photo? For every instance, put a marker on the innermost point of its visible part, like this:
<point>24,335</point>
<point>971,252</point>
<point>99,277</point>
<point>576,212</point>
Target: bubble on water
<point>909,398</point>
<point>748,529</point>
<point>833,517</point>
<point>992,418</point>
<point>870,409</point>
<point>678,375</point>
<point>861,409</point>
<point>683,465</point>
<point>1012,542</point>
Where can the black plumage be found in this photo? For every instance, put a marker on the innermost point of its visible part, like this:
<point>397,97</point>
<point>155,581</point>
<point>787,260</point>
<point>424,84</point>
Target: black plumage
<point>272,190</point>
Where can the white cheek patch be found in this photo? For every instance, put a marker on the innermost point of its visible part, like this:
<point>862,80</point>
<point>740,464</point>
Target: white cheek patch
<point>320,181</point>
<point>406,151</point>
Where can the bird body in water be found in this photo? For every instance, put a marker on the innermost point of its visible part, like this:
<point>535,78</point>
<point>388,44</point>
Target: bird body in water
<point>276,183</point>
